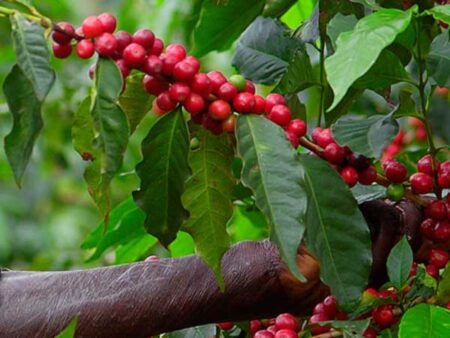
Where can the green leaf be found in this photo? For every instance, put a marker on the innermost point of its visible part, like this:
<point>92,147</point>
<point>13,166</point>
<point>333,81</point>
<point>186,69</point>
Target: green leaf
<point>298,75</point>
<point>276,8</point>
<point>207,196</point>
<point>399,263</point>
<point>111,129</point>
<point>425,320</point>
<point>135,101</point>
<point>264,51</point>
<point>271,169</point>
<point>407,106</point>
<point>336,232</point>
<point>27,121</point>
<point>351,328</point>
<point>340,24</point>
<point>441,13</point>
<point>135,249</point>
<point>83,133</point>
<point>359,49</point>
<point>163,172</point>
<point>438,60</point>
<point>32,54</point>
<point>440,118</point>
<point>443,292</point>
<point>365,193</point>
<point>70,329</point>
<point>221,23</point>
<point>387,70</point>
<point>343,107</point>
<point>205,331</point>
<point>368,136</point>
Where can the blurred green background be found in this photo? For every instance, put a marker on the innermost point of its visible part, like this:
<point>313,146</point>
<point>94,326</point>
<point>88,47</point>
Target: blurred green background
<point>43,223</point>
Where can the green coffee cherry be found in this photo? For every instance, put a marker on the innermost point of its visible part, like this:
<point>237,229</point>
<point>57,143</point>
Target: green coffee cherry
<point>195,143</point>
<point>395,192</point>
<point>238,81</point>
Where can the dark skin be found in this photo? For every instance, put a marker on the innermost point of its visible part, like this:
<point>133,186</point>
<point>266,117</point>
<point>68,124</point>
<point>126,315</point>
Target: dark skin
<point>144,299</point>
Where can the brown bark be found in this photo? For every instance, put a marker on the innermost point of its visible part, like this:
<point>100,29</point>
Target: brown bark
<point>143,299</point>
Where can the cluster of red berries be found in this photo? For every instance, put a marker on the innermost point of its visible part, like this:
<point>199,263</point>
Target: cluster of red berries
<point>352,167</point>
<point>174,77</point>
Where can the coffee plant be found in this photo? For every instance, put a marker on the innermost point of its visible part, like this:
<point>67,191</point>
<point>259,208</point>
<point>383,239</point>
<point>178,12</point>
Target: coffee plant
<point>333,131</point>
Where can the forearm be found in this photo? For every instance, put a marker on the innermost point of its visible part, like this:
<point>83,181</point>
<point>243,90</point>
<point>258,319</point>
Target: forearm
<point>143,299</point>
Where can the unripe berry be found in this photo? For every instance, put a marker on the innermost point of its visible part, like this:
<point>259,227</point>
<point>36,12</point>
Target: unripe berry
<point>165,103</point>
<point>134,55</point>
<point>395,192</point>
<point>285,333</point>
<point>62,51</point>
<point>123,39</point>
<point>260,104</point>
<point>227,91</point>
<point>244,102</point>
<point>194,103</point>
<point>152,65</point>
<point>85,49</point>
<point>226,326</point>
<point>61,38</point>
<point>154,86</point>
<point>273,99</point>
<point>123,68</point>
<point>145,38</point>
<point>425,165</point>
<point>201,84</point>
<point>349,175</point>
<point>383,315</point>
<point>438,257</point>
<point>368,175</point>
<point>108,21</point>
<point>216,79</point>
<point>298,127</point>
<point>238,81</point>
<point>286,321</point>
<point>179,91</point>
<point>158,47</point>
<point>280,115</point>
<point>229,124</point>
<point>432,270</point>
<point>177,50</point>
<point>334,153</point>
<point>395,171</point>
<point>421,183</point>
<point>185,71</point>
<point>92,27</point>
<point>219,110</point>
<point>436,210</point>
<point>105,45</point>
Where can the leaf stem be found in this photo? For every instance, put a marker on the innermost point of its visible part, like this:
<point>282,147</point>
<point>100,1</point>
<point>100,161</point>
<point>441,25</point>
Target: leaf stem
<point>42,20</point>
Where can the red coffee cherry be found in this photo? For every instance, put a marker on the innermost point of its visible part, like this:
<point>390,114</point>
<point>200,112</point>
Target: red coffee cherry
<point>152,65</point>
<point>286,321</point>
<point>62,51</point>
<point>123,68</point>
<point>105,45</point>
<point>193,61</point>
<point>249,87</point>
<point>62,38</point>
<point>285,333</point>
<point>219,110</point>
<point>314,319</point>
<point>383,315</point>
<point>214,126</point>
<point>158,47</point>
<point>349,175</point>
<point>217,79</point>
<point>319,308</point>
<point>108,21</point>
<point>297,127</point>
<point>443,180</point>
<point>185,71</point>
<point>292,138</point>
<point>359,162</point>
<point>427,228</point>
<point>134,55</point>
<point>260,104</point>
<point>179,91</point>
<point>330,305</point>
<point>169,62</point>
<point>145,38</point>
<point>229,125</point>
<point>165,103</point>
<point>91,71</point>
<point>244,103</point>
<point>154,86</point>
<point>436,210</point>
<point>442,231</point>
<point>201,84</point>
<point>226,325</point>
<point>324,138</point>
<point>395,171</point>
<point>445,166</point>
<point>438,257</point>
<point>413,270</point>
<point>370,333</point>
<point>85,49</point>
<point>368,175</point>
<point>421,183</point>
<point>123,39</point>
<point>432,270</point>
<point>227,91</point>
<point>280,115</point>
<point>424,165</point>
<point>194,103</point>
<point>273,99</point>
<point>176,50</point>
<point>334,153</point>
<point>92,27</point>
<point>263,334</point>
